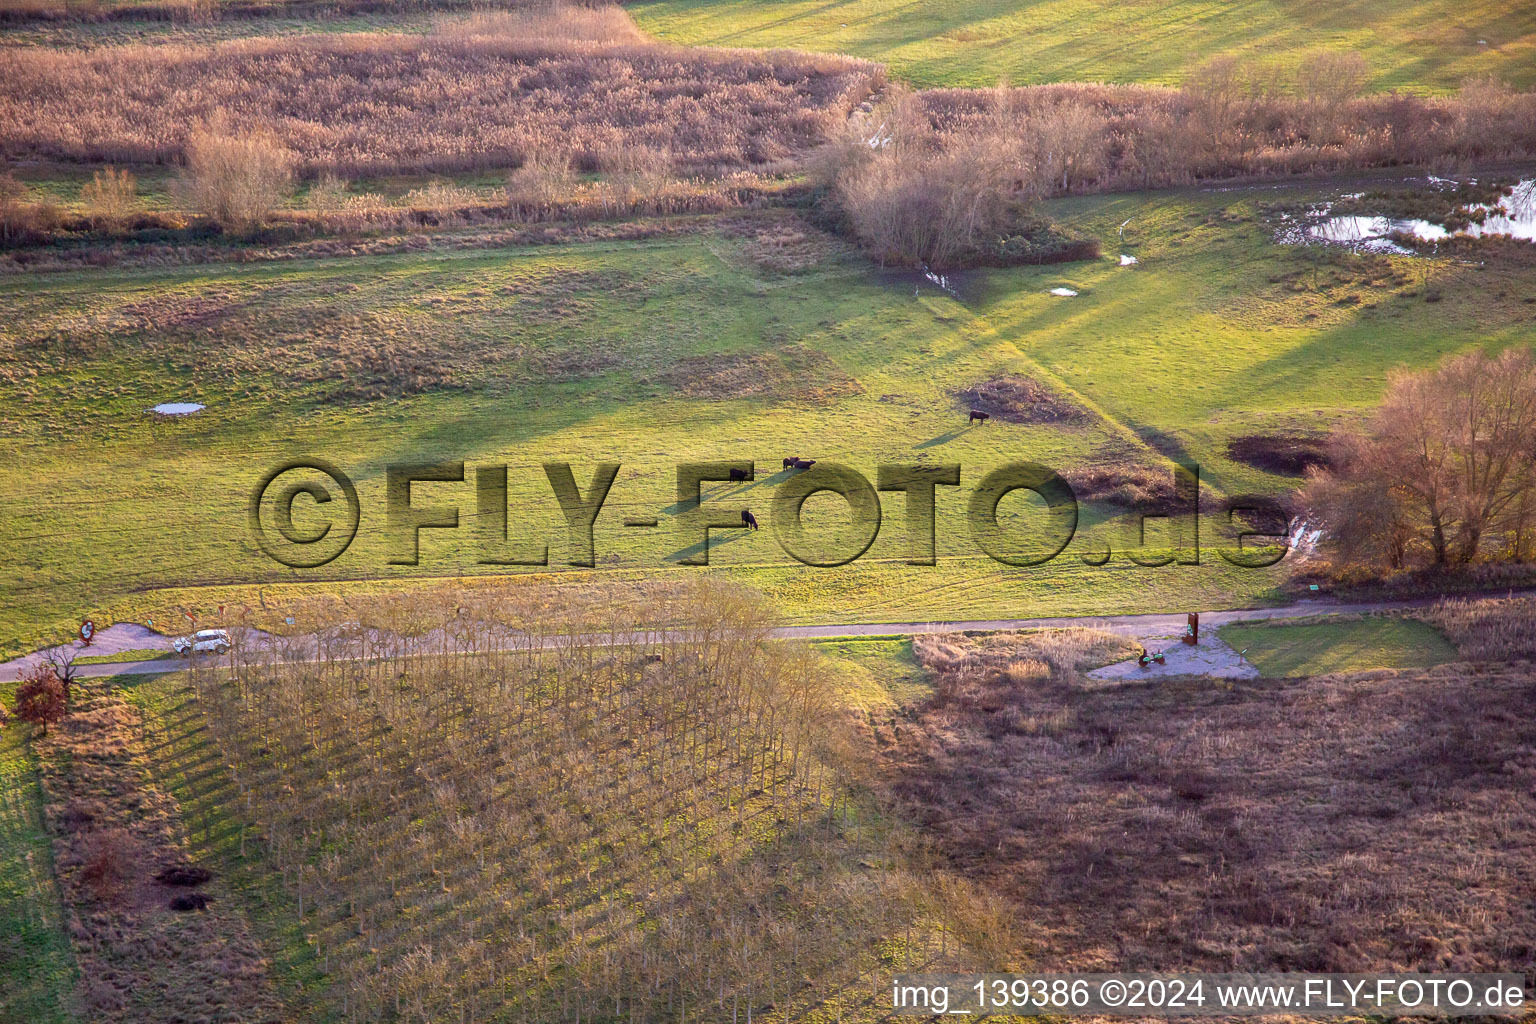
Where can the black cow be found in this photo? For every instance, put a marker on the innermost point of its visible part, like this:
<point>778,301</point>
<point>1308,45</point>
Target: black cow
<point>791,462</point>
<point>738,474</point>
<point>804,463</point>
<point>748,520</point>
<point>977,414</point>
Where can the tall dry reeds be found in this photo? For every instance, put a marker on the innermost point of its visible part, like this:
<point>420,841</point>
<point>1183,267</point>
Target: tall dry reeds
<point>487,93</point>
<point>1489,630</point>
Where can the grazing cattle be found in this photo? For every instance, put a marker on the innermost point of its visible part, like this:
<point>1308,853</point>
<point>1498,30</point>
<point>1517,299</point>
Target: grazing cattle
<point>977,414</point>
<point>804,463</point>
<point>748,520</point>
<point>791,462</point>
<point>738,474</point>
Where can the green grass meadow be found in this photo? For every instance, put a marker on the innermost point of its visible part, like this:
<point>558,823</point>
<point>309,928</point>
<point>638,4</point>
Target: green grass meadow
<point>684,348</point>
<point>929,43</point>
<point>1357,645</point>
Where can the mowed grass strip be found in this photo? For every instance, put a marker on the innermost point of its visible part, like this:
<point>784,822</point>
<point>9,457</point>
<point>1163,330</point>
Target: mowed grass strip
<point>1315,649</point>
<point>1430,46</point>
<point>37,966</point>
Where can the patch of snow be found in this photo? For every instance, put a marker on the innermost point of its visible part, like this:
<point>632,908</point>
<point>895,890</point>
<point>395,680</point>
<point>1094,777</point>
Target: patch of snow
<point>1128,261</point>
<point>1303,538</point>
<point>1063,292</point>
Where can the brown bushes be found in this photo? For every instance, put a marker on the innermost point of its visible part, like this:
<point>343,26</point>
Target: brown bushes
<point>234,181</point>
<point>466,98</point>
<point>1232,120</point>
<point>23,222</point>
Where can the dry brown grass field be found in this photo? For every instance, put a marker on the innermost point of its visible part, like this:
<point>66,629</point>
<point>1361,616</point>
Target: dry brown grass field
<point>483,93</point>
<point>1377,821</point>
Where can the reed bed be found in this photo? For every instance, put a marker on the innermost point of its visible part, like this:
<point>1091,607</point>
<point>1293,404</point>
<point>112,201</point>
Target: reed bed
<point>483,93</point>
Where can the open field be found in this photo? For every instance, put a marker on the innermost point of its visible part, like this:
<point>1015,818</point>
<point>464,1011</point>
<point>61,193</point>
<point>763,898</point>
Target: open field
<point>1315,649</point>
<point>529,734</point>
<point>756,338</point>
<point>1426,45</point>
<point>1340,823</point>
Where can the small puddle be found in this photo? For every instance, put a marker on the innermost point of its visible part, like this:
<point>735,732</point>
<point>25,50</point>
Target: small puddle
<point>1513,216</point>
<point>177,408</point>
<point>961,285</point>
<point>1065,293</point>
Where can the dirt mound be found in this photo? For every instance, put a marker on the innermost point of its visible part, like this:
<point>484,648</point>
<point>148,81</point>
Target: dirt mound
<point>184,875</point>
<point>1287,454</point>
<point>183,902</point>
<point>1019,399</point>
<point>1127,485</point>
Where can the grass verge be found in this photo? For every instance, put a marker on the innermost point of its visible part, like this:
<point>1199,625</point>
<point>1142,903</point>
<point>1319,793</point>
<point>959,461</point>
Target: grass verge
<point>1314,649</point>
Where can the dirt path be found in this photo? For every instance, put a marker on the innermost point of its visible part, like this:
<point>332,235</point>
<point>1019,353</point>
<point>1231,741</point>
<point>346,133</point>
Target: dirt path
<point>1141,627</point>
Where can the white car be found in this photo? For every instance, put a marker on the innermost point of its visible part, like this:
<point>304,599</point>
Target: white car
<point>204,641</point>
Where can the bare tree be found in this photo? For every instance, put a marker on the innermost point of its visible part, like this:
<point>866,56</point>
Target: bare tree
<point>62,660</point>
<point>1446,465</point>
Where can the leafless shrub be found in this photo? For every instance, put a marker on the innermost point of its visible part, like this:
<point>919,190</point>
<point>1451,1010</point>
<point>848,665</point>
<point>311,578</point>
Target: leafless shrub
<point>328,195</point>
<point>234,181</point>
<point>111,193</point>
<point>543,181</point>
<point>22,221</point>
